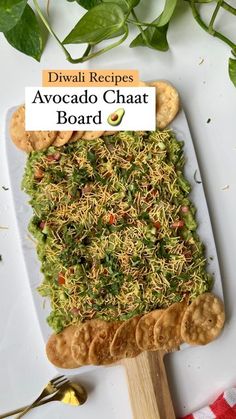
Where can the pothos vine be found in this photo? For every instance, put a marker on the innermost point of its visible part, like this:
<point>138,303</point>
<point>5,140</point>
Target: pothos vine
<point>105,20</point>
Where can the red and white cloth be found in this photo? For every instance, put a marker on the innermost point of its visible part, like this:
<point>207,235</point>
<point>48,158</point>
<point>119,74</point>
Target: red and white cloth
<point>224,407</point>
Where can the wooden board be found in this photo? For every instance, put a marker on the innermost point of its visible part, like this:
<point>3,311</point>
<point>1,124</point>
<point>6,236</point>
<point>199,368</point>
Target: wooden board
<point>148,386</point>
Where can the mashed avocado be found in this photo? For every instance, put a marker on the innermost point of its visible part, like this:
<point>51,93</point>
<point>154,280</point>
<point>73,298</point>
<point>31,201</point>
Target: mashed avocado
<point>115,229</point>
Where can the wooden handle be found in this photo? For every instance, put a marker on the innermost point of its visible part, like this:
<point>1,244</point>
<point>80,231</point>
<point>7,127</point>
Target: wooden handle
<point>148,386</point>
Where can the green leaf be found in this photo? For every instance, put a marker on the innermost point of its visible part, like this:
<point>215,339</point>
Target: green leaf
<point>167,13</point>
<point>10,12</point>
<point>204,1</point>
<point>126,5</point>
<point>99,23</point>
<point>120,32</point>
<point>26,36</point>
<point>232,70</point>
<point>155,38</point>
<point>133,3</point>
<point>87,4</point>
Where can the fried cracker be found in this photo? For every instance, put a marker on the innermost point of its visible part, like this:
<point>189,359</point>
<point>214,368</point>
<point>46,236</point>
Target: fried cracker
<point>106,133</point>
<point>124,342</point>
<point>145,330</point>
<point>62,138</point>
<point>77,135</point>
<point>40,140</point>
<point>142,84</point>
<point>167,329</point>
<point>58,348</point>
<point>17,130</point>
<point>99,350</point>
<point>28,140</point>
<point>91,135</point>
<point>82,340</point>
<point>167,103</point>
<point>203,320</point>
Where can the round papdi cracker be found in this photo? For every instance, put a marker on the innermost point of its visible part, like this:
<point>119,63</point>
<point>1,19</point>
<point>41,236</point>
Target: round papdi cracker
<point>167,103</point>
<point>167,329</point>
<point>99,350</point>
<point>62,138</point>
<point>145,330</point>
<point>124,343</point>
<point>28,140</point>
<point>82,340</point>
<point>203,320</point>
<point>40,140</point>
<point>19,136</point>
<point>142,84</point>
<point>92,135</point>
<point>106,133</point>
<point>58,348</point>
<point>77,135</point>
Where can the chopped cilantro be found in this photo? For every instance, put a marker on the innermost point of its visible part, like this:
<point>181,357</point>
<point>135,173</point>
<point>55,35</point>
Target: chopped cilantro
<point>111,235</point>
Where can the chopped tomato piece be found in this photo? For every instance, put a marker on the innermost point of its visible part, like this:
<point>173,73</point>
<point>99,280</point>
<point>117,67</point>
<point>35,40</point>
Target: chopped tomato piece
<point>178,224</point>
<point>38,174</point>
<point>112,219</point>
<point>86,189</point>
<point>185,209</point>
<point>154,193</point>
<point>188,255</point>
<point>42,225</point>
<point>157,224</point>
<point>54,157</point>
<point>129,158</point>
<point>75,310</point>
<point>61,279</point>
<point>125,215</point>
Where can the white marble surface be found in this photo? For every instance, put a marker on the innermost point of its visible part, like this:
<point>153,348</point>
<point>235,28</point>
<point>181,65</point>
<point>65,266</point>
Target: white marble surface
<point>198,374</point>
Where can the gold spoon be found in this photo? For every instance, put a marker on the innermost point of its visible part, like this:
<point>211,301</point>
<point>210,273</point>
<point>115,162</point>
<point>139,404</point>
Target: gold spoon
<point>70,393</point>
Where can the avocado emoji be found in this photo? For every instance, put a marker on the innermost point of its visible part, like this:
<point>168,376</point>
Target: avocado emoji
<point>115,118</point>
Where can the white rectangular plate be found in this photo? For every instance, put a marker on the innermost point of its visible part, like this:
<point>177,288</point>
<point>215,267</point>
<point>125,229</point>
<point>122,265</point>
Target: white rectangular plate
<point>16,160</point>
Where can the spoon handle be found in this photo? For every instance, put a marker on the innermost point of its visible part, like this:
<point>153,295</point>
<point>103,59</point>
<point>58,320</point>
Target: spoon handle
<point>20,409</point>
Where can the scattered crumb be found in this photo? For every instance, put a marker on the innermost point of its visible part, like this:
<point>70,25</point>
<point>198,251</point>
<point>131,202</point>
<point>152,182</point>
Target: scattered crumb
<point>195,177</point>
<point>0,258</point>
<point>201,61</point>
<point>225,188</point>
<point>209,120</point>
<point>5,188</point>
<point>211,258</point>
<point>4,228</point>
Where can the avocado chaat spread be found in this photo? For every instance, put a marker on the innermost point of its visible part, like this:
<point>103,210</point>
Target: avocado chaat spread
<point>115,230</point>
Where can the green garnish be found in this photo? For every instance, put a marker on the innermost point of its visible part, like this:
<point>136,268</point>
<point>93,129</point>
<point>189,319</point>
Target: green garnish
<point>115,229</point>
